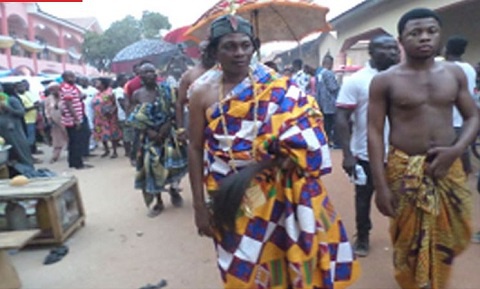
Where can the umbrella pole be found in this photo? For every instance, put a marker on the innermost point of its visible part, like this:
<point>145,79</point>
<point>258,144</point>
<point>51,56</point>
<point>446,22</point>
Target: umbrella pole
<point>254,15</point>
<point>300,53</point>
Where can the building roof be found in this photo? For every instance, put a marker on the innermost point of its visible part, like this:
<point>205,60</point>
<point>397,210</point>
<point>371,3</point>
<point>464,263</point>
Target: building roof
<point>85,22</point>
<point>363,6</point>
<point>35,9</point>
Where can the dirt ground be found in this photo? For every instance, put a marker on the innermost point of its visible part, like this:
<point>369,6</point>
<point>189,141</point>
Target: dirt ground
<point>120,247</point>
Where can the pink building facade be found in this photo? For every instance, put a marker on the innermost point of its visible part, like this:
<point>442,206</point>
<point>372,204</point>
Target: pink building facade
<point>33,42</point>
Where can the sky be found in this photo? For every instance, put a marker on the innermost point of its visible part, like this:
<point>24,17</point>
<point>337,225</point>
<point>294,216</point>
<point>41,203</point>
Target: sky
<point>179,12</point>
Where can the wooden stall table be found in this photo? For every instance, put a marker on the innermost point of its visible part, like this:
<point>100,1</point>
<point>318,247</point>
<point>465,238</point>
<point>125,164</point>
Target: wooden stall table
<point>8,241</point>
<point>58,206</point>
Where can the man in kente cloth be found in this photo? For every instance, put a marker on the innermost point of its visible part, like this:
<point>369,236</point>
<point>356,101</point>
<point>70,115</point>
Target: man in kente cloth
<point>161,159</point>
<point>271,219</point>
<point>423,188</point>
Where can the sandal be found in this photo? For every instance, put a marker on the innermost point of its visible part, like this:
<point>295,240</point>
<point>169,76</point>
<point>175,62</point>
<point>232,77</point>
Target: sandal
<point>56,255</point>
<point>156,210</point>
<point>162,284</point>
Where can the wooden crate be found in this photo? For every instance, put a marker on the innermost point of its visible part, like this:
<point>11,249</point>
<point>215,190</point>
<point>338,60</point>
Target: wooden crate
<point>58,208</point>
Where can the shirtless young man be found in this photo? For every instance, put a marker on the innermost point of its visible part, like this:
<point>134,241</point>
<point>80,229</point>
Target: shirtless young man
<point>153,118</point>
<point>423,187</point>
<point>186,81</point>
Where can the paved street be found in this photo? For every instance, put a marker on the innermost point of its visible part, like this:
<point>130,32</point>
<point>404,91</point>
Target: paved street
<point>122,248</point>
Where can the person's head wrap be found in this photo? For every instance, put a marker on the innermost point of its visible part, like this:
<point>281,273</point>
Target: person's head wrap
<point>227,24</point>
<point>418,13</point>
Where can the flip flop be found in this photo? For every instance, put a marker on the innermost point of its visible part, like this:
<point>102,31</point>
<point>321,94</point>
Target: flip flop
<point>56,255</point>
<point>163,283</point>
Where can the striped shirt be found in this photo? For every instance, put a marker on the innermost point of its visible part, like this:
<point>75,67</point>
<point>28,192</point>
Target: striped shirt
<point>70,92</point>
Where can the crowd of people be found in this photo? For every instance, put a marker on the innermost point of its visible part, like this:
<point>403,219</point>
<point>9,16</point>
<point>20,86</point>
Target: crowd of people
<point>256,140</point>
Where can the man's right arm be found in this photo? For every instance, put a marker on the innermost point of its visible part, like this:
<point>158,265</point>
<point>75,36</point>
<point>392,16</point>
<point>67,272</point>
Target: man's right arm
<point>131,102</point>
<point>196,147</point>
<point>377,110</point>
<point>346,104</point>
<point>182,99</point>
<point>196,127</point>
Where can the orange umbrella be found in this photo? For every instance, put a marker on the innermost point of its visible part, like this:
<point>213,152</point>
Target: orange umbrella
<point>273,20</point>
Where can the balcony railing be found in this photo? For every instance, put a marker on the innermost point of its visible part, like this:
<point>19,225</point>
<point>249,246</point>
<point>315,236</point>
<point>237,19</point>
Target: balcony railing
<point>26,48</point>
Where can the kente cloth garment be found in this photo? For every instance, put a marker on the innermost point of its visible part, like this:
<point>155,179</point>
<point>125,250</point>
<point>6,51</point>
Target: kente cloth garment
<point>288,234</point>
<point>105,122</point>
<point>158,164</point>
<point>432,225</point>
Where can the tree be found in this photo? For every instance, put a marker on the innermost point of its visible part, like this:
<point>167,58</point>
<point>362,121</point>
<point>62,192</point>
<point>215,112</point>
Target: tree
<point>152,23</point>
<point>100,49</point>
<point>95,50</point>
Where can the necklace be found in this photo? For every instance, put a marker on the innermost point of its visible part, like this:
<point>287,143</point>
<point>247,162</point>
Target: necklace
<point>223,120</point>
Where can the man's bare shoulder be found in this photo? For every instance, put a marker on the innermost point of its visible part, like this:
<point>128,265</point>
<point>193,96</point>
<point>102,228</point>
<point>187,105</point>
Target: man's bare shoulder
<point>451,67</point>
<point>200,88</point>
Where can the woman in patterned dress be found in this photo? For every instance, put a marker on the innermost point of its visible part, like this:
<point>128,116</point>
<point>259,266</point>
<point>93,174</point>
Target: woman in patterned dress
<point>106,127</point>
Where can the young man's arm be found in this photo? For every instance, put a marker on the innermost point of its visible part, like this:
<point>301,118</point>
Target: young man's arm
<point>346,104</point>
<point>197,124</point>
<point>377,111</point>
<point>181,101</point>
<point>445,156</point>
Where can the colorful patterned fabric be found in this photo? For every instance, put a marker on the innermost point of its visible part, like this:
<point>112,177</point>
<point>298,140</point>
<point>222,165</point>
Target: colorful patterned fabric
<point>433,220</point>
<point>158,164</point>
<point>293,238</point>
<point>105,122</point>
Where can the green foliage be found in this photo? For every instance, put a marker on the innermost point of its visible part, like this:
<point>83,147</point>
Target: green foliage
<point>152,22</point>
<point>100,49</point>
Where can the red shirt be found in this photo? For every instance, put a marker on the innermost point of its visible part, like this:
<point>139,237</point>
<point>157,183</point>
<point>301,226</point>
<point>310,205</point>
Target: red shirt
<point>70,92</point>
<point>132,85</point>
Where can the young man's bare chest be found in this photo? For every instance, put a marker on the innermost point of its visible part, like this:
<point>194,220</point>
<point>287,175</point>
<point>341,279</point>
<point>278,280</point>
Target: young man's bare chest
<point>417,89</point>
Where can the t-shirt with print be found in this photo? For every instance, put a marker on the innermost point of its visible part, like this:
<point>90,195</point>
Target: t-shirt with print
<point>301,79</point>
<point>70,92</point>
<point>354,95</point>
<point>119,94</point>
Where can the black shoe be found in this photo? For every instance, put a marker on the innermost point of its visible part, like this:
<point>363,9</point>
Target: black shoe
<point>175,198</point>
<point>361,246</point>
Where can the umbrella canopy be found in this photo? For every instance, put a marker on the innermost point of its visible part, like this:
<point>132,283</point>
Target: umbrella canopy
<point>177,36</point>
<point>273,20</point>
<point>144,48</point>
<point>157,51</point>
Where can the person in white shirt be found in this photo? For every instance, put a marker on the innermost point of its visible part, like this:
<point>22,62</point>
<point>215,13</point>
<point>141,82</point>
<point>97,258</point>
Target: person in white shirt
<point>352,135</point>
<point>88,92</point>
<point>119,93</point>
<point>299,77</point>
<point>454,50</point>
